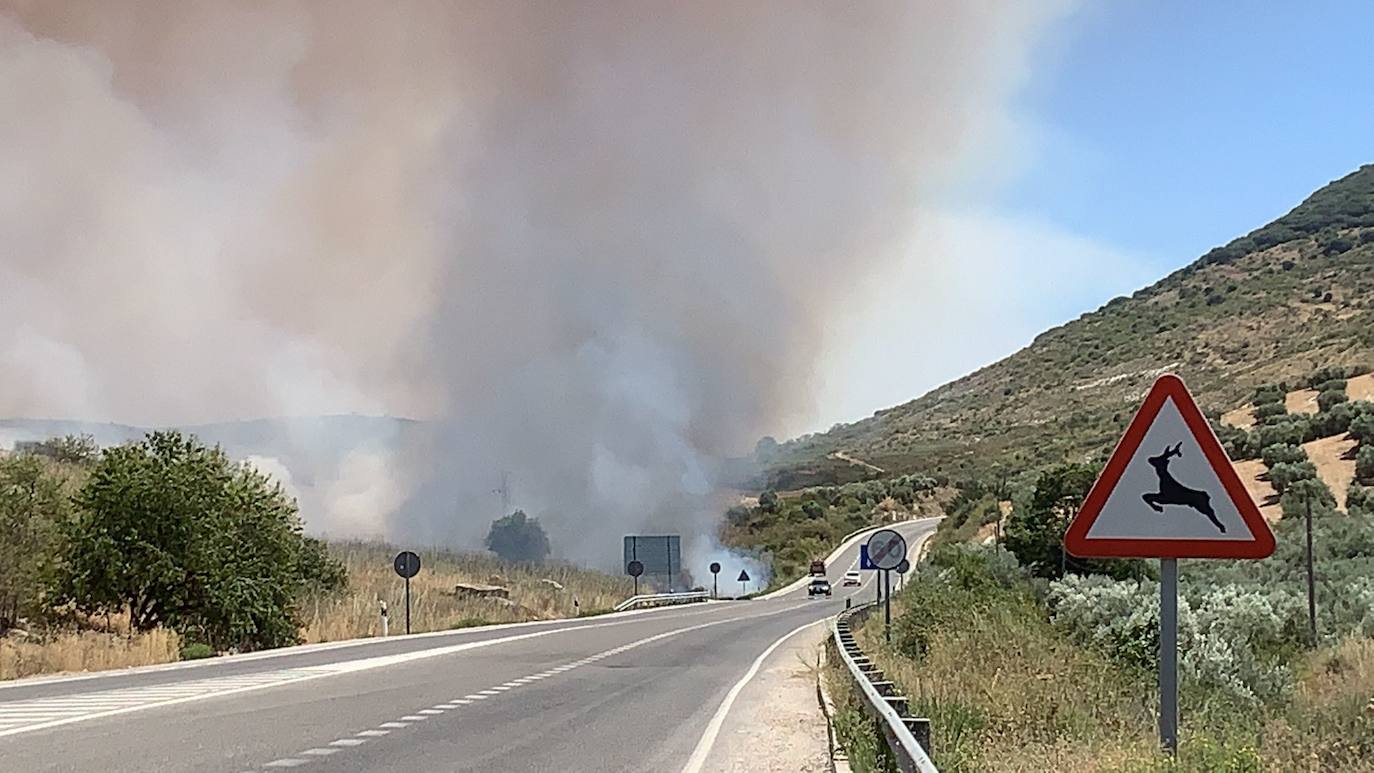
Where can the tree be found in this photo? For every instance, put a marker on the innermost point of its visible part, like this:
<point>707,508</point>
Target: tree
<point>33,505</point>
<point>179,536</point>
<point>768,501</point>
<point>70,449</point>
<point>517,537</point>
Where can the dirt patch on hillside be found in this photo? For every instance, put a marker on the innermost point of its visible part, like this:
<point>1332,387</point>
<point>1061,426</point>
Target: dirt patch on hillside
<point>1241,418</point>
<point>1301,401</point>
<point>1263,493</point>
<point>1328,454</point>
<point>1360,387</point>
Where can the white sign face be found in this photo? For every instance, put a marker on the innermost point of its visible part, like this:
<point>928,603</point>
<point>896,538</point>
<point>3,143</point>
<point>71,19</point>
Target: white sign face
<point>1170,491</point>
<point>886,549</point>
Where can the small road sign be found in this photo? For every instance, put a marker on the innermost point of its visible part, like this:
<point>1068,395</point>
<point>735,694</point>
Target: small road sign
<point>634,568</point>
<point>743,576</point>
<point>715,575</point>
<point>886,549</point>
<point>407,564</point>
<point>864,561</point>
<point>1169,491</point>
<point>903,567</point>
<point>715,568</point>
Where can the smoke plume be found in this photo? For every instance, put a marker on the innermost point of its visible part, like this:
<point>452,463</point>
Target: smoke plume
<point>594,244</point>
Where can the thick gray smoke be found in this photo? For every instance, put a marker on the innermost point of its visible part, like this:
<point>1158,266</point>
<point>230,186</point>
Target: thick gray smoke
<point>596,243</point>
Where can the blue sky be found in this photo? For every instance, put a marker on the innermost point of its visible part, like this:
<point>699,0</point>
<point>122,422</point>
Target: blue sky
<point>1142,134</point>
<point>1167,128</point>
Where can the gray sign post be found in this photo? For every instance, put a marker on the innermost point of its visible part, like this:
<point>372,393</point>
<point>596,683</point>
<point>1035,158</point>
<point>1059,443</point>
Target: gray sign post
<point>1168,654</point>
<point>407,564</point>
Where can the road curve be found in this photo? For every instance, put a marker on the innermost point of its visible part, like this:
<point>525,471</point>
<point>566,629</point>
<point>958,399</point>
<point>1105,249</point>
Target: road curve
<point>636,691</point>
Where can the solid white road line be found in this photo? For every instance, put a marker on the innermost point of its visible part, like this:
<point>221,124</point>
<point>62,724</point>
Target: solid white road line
<point>708,738</point>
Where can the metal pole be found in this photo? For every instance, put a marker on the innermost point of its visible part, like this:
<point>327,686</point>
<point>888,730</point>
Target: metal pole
<point>878,583</point>
<point>887,606</point>
<point>1311,580</point>
<point>636,585</point>
<point>1168,654</point>
<point>407,606</point>
<point>715,578</point>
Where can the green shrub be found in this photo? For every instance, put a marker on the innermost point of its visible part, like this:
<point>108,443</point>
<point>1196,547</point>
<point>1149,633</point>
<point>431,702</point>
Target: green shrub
<point>1359,499</point>
<point>1362,422</point>
<point>1331,397</point>
<point>1364,464</point>
<point>1286,474</point>
<point>1266,412</point>
<point>1283,453</point>
<point>196,651</point>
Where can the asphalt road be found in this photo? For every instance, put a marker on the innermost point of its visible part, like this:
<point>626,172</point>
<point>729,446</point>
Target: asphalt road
<point>639,691</point>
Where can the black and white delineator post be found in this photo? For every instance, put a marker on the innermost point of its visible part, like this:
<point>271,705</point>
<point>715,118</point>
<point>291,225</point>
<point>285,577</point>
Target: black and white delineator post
<point>1169,492</point>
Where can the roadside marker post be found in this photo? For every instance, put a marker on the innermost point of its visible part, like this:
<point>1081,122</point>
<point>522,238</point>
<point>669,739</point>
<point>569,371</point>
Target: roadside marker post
<point>1169,491</point>
<point>886,550</point>
<point>407,564</point>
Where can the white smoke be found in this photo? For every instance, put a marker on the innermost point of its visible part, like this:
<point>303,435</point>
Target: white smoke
<point>597,244</point>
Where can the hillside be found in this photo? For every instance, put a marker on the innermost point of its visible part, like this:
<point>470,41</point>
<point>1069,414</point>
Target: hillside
<point>1271,306</point>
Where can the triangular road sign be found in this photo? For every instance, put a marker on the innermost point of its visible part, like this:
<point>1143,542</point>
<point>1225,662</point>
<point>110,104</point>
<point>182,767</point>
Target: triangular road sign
<point>1169,491</point>
<point>743,576</point>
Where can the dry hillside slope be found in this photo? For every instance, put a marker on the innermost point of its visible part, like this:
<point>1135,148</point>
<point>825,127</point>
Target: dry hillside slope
<point>1275,304</point>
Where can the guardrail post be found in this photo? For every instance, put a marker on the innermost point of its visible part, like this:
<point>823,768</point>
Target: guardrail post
<point>919,727</point>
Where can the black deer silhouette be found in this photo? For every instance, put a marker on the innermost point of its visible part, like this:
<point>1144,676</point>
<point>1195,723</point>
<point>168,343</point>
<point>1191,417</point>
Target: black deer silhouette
<point>1171,492</point>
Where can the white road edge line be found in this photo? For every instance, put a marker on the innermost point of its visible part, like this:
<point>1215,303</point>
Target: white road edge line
<point>708,738</point>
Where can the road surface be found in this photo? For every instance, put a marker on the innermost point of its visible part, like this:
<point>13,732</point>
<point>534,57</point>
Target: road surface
<point>643,691</point>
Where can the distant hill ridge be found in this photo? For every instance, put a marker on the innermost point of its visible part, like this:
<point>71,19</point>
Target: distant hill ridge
<point>1273,305</point>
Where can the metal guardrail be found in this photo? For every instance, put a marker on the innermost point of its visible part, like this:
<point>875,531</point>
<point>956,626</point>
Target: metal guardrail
<point>661,599</point>
<point>907,737</point>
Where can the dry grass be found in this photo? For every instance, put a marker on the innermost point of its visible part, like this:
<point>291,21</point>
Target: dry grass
<point>1010,694</point>
<point>1250,472</point>
<point>1301,401</point>
<point>1240,418</point>
<point>1335,470</point>
<point>47,653</point>
<point>1360,387</point>
<point>107,644</point>
<point>435,607</point>
<point>1007,691</point>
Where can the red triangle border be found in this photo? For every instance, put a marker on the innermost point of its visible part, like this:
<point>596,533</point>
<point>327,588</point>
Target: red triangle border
<point>1168,386</point>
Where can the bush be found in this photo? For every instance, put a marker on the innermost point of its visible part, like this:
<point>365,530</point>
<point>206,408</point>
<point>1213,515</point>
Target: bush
<point>196,651</point>
<point>1286,474</point>
<point>1362,421</point>
<point>1292,431</point>
<point>1283,453</point>
<point>1268,411</point>
<point>1331,397</point>
<point>1359,499</point>
<point>1364,464</point>
<point>517,537</point>
<point>1301,493</point>
<point>1269,394</point>
<point>1238,443</point>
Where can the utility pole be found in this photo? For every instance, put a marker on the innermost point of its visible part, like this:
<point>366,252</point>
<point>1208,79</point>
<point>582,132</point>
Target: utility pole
<point>504,492</point>
<point>1311,579</point>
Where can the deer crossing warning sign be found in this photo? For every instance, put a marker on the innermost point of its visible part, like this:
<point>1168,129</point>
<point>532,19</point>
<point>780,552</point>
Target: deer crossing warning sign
<point>1169,491</point>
